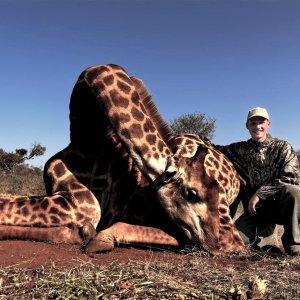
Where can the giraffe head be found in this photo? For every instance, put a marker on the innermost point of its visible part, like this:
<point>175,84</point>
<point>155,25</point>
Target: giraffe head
<point>190,197</point>
<point>197,186</point>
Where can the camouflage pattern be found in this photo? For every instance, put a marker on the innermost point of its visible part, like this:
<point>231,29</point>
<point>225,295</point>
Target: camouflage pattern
<point>264,167</point>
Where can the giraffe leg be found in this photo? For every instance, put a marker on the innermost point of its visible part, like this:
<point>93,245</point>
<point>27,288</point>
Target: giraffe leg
<point>120,232</point>
<point>56,235</point>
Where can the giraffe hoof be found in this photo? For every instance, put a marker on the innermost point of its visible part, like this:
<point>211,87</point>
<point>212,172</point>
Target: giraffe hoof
<point>103,242</point>
<point>87,232</point>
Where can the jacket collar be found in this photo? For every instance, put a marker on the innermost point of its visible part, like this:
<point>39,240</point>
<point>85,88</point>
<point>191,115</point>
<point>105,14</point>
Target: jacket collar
<point>263,144</point>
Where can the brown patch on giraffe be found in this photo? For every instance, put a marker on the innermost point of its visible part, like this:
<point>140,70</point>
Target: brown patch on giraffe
<point>160,146</point>
<point>156,156</point>
<point>44,218</point>
<point>189,142</point>
<point>32,218</point>
<point>167,152</point>
<point>62,202</point>
<point>80,216</point>
<point>144,148</point>
<point>124,118</point>
<point>148,126</point>
<point>59,170</point>
<point>92,73</point>
<point>118,100</point>
<point>54,220</point>
<point>25,212</point>
<point>125,88</point>
<point>98,89</point>
<point>137,114</point>
<point>135,98</point>
<point>20,203</point>
<point>151,139</point>
<point>136,131</point>
<point>108,80</point>
<point>124,77</point>
<point>124,132</point>
<point>225,168</point>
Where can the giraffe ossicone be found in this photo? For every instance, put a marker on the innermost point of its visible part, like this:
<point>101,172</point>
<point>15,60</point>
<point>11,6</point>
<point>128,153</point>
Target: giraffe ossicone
<point>125,179</point>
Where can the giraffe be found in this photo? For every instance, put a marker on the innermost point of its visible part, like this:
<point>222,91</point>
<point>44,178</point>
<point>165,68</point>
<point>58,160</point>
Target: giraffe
<point>150,186</point>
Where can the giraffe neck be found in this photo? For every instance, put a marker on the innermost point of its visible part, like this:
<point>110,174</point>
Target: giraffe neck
<point>117,95</point>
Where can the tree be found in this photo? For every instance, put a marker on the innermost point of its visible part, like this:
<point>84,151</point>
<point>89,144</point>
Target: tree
<point>298,155</point>
<point>8,160</point>
<point>195,123</point>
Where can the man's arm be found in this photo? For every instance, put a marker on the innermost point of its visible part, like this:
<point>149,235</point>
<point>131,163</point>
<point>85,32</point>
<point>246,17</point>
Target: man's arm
<point>288,173</point>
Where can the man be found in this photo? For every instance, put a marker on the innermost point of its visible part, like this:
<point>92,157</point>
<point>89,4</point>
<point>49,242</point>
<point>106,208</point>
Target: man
<point>270,190</point>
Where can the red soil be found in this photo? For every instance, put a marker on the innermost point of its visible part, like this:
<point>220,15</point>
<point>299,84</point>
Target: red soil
<point>29,255</point>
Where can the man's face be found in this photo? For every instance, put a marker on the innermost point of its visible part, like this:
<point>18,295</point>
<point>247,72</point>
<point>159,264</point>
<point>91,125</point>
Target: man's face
<point>258,128</point>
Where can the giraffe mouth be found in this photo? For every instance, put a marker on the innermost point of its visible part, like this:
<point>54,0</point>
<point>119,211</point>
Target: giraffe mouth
<point>193,230</point>
<point>199,235</point>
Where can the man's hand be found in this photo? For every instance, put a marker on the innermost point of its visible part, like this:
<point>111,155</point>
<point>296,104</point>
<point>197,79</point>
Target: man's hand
<point>252,203</point>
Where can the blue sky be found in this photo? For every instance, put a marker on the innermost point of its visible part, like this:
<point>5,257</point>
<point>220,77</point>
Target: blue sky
<point>220,58</point>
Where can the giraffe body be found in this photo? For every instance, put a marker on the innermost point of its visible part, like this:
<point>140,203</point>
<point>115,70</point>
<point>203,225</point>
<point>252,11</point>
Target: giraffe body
<point>123,159</point>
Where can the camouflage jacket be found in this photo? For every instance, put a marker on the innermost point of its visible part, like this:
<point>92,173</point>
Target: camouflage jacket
<point>264,167</point>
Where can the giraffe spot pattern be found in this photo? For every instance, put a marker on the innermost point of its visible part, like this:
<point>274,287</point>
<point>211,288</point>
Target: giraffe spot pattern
<point>44,204</point>
<point>79,216</point>
<point>160,146</point>
<point>43,217</point>
<point>137,114</point>
<point>151,139</point>
<point>156,156</point>
<point>59,170</point>
<point>33,218</point>
<point>118,100</point>
<point>148,126</point>
<point>125,88</point>
<point>108,80</point>
<point>57,209</point>
<point>25,211</point>
<point>54,220</point>
<point>97,89</point>
<point>124,77</point>
<point>144,148</point>
<point>124,118</point>
<point>136,131</point>
<point>135,98</point>
<point>62,202</point>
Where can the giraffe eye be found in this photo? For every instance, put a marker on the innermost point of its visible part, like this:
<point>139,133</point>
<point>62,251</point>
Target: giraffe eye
<point>192,195</point>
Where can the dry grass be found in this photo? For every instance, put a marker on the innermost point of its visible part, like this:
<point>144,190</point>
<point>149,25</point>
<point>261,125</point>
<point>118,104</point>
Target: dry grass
<point>24,181</point>
<point>199,276</point>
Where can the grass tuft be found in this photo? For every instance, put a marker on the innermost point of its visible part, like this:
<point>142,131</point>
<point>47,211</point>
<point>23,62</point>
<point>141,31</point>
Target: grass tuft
<point>198,276</point>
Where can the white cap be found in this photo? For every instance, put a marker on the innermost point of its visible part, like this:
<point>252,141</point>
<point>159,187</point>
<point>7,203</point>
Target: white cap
<point>258,112</point>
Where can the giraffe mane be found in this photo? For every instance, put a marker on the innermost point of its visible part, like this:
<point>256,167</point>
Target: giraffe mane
<point>151,108</point>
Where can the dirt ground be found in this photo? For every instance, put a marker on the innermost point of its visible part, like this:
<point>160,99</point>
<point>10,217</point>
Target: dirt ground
<point>30,255</point>
<point>31,270</point>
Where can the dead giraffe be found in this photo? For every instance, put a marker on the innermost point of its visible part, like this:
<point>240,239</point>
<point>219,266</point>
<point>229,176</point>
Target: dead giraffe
<point>122,151</point>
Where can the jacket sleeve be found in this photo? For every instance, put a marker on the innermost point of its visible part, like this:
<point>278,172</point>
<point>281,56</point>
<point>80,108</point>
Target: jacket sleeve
<point>288,173</point>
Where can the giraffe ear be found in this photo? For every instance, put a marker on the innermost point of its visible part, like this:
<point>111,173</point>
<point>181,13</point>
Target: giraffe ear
<point>200,154</point>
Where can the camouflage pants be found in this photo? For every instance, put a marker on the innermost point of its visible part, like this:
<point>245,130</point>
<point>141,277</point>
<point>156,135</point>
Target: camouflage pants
<point>282,209</point>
